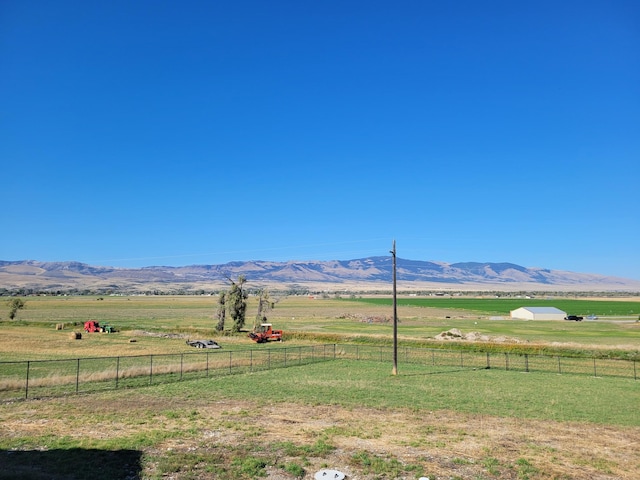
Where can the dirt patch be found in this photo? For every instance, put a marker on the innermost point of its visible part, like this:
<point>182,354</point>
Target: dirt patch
<point>457,335</point>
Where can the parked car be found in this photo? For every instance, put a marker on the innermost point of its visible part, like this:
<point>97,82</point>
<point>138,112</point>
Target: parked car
<point>573,317</point>
<point>592,317</point>
<point>203,344</point>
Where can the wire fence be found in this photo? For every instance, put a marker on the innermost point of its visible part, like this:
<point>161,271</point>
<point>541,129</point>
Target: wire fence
<point>522,362</point>
<point>54,378</point>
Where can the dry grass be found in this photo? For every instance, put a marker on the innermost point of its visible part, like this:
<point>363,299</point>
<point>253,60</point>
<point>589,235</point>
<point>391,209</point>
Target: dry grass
<point>443,444</point>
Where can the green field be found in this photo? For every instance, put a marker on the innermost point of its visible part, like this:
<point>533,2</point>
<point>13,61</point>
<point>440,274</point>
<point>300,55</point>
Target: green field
<point>502,306</point>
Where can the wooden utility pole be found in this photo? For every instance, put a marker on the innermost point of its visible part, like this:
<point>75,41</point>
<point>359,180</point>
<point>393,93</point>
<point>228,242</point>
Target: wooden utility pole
<point>395,315</point>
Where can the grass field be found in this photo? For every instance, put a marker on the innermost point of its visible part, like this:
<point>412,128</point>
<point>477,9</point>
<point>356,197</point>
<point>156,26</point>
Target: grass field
<point>444,423</point>
<point>304,319</point>
<point>357,418</point>
<point>502,306</point>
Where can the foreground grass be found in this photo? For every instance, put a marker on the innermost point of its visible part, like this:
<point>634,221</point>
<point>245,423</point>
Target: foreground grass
<point>503,393</point>
<point>482,424</point>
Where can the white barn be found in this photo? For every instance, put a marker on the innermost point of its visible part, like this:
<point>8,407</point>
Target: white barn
<point>538,313</point>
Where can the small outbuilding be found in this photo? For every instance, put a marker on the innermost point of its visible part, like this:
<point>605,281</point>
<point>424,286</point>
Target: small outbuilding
<point>538,313</point>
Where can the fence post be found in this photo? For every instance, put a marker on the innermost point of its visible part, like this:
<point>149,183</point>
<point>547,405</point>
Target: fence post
<point>559,367</point>
<point>181,364</point>
<point>634,370</point>
<point>230,363</point>
<point>150,369</point>
<point>488,361</point>
<point>285,357</point>
<point>77,375</point>
<point>595,373</point>
<point>506,361</point>
<point>207,364</point>
<point>334,351</point>
<point>117,371</point>
<point>462,360</point>
<point>268,359</point>
<point>251,360</point>
<point>26,388</point>
<point>526,362</point>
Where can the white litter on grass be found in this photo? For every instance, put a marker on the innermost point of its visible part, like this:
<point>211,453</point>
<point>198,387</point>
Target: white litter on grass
<point>329,475</point>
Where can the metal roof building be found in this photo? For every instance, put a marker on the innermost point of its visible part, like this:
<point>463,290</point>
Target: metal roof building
<point>538,313</point>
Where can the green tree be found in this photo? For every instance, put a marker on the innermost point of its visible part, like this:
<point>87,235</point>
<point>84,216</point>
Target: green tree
<point>15,304</point>
<point>221,313</point>
<point>237,303</point>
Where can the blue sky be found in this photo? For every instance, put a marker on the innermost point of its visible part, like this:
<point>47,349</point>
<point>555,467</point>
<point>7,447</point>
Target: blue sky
<point>201,132</point>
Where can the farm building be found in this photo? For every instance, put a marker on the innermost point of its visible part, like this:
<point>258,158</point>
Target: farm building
<point>538,313</point>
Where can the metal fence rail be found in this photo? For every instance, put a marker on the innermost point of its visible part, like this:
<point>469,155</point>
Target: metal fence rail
<point>53,378</point>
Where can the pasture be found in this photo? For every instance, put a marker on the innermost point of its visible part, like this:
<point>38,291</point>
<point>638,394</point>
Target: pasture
<point>171,319</point>
<point>444,423</point>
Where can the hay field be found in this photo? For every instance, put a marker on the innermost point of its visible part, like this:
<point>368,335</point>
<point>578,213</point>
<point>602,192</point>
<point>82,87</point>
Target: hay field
<point>173,319</point>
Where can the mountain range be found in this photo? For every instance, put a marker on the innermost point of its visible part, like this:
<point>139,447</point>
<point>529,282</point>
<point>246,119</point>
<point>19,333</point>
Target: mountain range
<point>364,274</point>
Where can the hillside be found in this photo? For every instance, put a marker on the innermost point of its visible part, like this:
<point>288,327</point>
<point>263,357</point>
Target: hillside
<point>364,274</point>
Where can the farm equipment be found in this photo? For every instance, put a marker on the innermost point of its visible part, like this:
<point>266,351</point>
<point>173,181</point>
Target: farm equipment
<point>92,326</point>
<point>265,333</point>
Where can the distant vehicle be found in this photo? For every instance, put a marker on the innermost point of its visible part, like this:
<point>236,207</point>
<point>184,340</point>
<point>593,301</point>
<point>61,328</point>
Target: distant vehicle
<point>574,317</point>
<point>592,317</point>
<point>203,344</point>
<point>92,326</point>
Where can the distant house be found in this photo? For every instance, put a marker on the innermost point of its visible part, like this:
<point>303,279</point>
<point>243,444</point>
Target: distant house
<point>538,313</point>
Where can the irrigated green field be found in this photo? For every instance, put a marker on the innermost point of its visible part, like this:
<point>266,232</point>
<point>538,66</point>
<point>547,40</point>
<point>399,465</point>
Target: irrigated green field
<point>502,306</point>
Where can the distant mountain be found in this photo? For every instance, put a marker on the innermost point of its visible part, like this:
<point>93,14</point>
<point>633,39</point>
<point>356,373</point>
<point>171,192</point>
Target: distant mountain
<point>363,273</point>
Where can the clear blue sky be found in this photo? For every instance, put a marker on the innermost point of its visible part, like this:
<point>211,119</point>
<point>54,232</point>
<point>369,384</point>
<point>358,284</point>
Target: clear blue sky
<point>136,133</point>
